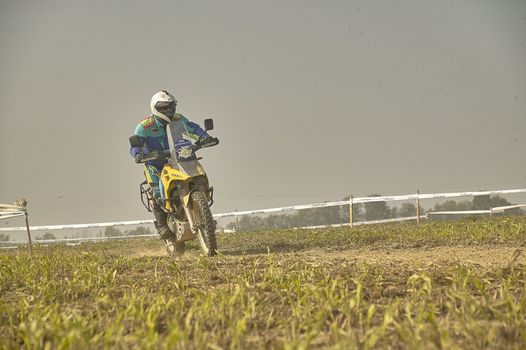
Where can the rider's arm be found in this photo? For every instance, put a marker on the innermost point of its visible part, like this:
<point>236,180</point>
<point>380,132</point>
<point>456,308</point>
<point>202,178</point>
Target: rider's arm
<point>134,151</point>
<point>139,131</point>
<point>194,129</point>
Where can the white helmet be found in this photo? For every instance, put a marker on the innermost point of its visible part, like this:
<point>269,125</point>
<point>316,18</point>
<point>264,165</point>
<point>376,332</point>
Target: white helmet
<point>163,105</point>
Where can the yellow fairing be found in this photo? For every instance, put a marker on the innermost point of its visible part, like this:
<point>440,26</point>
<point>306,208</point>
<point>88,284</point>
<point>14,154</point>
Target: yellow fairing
<point>170,176</point>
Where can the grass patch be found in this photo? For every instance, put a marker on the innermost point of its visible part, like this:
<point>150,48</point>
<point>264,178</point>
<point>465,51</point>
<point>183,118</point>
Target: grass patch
<point>510,231</point>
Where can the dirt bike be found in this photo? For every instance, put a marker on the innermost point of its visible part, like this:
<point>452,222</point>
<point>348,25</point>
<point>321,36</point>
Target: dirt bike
<point>185,191</point>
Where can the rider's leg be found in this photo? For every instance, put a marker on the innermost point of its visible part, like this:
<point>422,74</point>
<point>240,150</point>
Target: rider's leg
<point>152,176</point>
<point>160,222</point>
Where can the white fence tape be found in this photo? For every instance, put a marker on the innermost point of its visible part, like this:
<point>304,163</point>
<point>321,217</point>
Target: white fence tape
<point>77,226</point>
<point>10,211</point>
<point>358,200</point>
<point>82,239</point>
<point>383,221</point>
<point>371,222</point>
<point>467,212</point>
<point>11,244</point>
<point>458,212</point>
<point>468,194</point>
<point>10,207</point>
<point>284,209</point>
<point>10,216</point>
<point>501,209</point>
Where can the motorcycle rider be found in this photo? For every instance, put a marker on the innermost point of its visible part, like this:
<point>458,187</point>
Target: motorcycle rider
<point>152,131</point>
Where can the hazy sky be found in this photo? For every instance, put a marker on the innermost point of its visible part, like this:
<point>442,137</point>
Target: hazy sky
<point>311,99</point>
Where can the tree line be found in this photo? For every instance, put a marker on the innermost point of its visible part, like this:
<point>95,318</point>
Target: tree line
<point>108,232</point>
<point>363,212</point>
<point>114,232</point>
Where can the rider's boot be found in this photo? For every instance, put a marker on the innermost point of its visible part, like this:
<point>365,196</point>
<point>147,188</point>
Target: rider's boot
<point>161,225</point>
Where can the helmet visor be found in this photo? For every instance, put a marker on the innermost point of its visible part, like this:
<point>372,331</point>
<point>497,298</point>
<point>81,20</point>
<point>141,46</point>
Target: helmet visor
<point>166,107</point>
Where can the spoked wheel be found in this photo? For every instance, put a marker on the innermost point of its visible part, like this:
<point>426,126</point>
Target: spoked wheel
<point>174,249</point>
<point>205,223</point>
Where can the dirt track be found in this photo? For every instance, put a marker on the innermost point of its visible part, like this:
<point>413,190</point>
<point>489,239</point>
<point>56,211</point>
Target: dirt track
<point>484,256</point>
<point>481,255</point>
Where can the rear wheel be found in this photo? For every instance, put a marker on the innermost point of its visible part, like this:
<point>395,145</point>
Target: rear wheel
<point>206,225</point>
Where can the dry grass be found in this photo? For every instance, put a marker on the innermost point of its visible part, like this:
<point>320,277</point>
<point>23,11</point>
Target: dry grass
<point>285,289</point>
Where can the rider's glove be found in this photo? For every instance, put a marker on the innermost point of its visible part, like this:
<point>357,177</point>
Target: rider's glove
<point>207,139</point>
<point>143,151</point>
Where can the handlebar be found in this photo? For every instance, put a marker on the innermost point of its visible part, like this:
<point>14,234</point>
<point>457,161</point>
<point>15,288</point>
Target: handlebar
<point>152,155</point>
<point>205,143</point>
<point>159,155</point>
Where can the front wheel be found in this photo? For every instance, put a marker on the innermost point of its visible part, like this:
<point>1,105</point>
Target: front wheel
<point>206,225</point>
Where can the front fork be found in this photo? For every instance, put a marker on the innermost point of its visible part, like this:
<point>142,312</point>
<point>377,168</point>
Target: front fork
<point>188,211</point>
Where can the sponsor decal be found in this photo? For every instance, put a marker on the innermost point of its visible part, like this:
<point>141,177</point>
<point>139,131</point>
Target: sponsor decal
<point>147,122</point>
<point>184,152</point>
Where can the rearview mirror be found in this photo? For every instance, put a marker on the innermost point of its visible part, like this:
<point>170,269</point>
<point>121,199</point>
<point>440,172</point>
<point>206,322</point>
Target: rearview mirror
<point>209,124</point>
<point>136,141</point>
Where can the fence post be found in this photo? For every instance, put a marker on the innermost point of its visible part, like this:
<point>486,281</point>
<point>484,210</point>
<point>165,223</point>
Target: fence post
<point>22,203</point>
<point>350,211</point>
<point>29,243</point>
<point>418,206</point>
<point>28,234</point>
<point>237,222</point>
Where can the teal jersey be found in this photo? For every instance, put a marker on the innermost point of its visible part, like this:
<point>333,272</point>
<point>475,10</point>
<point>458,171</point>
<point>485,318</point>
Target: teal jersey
<point>153,132</point>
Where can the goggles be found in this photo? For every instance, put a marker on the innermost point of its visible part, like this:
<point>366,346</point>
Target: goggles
<point>166,107</point>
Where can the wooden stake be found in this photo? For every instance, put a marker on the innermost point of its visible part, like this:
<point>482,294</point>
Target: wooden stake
<point>418,206</point>
<point>29,243</point>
